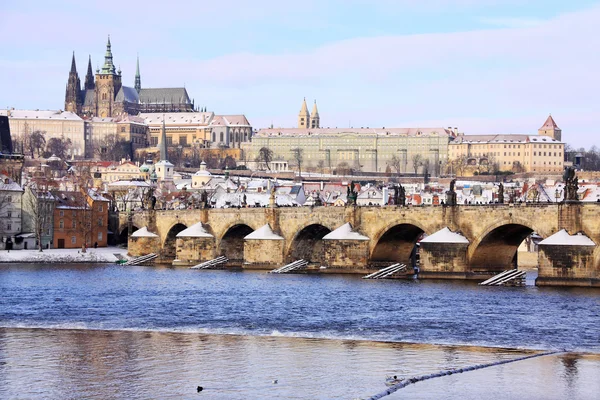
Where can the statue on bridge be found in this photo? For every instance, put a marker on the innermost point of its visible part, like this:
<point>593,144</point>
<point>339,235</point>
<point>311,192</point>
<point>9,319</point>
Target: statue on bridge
<point>451,194</point>
<point>500,193</point>
<point>352,194</point>
<point>401,196</point>
<point>571,185</point>
<point>203,199</point>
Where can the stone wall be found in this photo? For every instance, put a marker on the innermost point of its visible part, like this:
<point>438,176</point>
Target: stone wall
<point>263,254</point>
<point>567,266</point>
<point>140,246</point>
<point>443,260</point>
<point>193,250</point>
<point>344,255</point>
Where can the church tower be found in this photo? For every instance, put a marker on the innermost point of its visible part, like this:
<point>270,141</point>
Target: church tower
<point>550,129</point>
<point>315,120</point>
<point>89,77</point>
<point>304,116</point>
<point>73,92</point>
<point>108,84</point>
<point>138,78</point>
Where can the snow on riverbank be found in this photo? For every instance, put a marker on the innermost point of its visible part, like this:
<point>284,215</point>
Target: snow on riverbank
<point>101,255</point>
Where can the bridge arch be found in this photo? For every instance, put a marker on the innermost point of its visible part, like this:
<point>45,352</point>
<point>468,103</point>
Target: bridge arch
<point>170,243</point>
<point>232,242</point>
<point>396,243</point>
<point>496,249</point>
<point>307,243</point>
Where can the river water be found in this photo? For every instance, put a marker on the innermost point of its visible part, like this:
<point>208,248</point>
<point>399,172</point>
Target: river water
<point>76,331</point>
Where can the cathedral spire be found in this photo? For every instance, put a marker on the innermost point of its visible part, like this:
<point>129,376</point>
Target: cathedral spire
<point>138,79</point>
<point>304,116</point>
<point>315,120</point>
<point>163,141</point>
<point>73,66</point>
<point>108,67</point>
<point>89,77</point>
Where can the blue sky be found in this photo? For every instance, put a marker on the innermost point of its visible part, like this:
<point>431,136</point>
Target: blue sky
<point>484,66</point>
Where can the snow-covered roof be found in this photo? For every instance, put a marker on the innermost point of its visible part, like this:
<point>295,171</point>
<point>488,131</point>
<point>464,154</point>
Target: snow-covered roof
<point>263,233</point>
<point>196,230</point>
<point>166,163</point>
<point>562,238</point>
<point>129,184</point>
<point>143,232</point>
<point>43,114</point>
<point>344,232</point>
<point>445,236</point>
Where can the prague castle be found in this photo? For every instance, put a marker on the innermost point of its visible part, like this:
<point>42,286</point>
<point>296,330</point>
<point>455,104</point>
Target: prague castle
<point>104,94</point>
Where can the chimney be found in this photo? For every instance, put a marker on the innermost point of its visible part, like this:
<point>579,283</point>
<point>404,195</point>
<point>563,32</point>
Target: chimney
<point>455,130</point>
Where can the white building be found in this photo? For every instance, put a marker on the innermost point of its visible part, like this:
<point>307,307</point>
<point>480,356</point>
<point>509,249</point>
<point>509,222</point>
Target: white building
<point>56,124</point>
<point>10,212</point>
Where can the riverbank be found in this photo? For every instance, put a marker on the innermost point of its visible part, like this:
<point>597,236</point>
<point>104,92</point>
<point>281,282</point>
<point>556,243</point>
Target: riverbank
<point>99,255</point>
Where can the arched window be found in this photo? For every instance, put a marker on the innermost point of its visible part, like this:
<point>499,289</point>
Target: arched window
<point>237,137</point>
<point>221,137</point>
<point>214,137</point>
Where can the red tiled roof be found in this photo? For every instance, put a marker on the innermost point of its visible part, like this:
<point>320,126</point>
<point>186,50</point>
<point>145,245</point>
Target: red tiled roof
<point>549,124</point>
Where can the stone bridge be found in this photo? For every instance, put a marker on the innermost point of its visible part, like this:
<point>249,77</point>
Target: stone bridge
<point>389,234</point>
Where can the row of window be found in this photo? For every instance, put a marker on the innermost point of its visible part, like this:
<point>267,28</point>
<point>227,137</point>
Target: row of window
<point>61,223</point>
<point>74,238</point>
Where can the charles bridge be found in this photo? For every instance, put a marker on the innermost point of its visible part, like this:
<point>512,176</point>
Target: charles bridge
<point>381,236</point>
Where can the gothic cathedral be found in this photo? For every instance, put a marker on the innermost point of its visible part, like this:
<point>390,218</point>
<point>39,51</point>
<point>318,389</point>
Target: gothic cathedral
<point>105,96</point>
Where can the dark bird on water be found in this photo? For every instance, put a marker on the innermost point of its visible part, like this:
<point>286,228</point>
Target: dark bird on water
<point>200,388</point>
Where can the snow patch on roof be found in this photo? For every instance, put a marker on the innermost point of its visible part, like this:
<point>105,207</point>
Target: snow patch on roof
<point>263,233</point>
<point>445,236</point>
<point>196,230</point>
<point>562,238</point>
<point>344,232</point>
<point>143,232</point>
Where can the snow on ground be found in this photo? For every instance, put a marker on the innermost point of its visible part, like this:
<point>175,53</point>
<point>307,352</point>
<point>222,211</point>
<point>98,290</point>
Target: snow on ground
<point>101,255</point>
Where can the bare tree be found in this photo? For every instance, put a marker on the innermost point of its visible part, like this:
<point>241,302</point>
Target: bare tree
<point>38,206</point>
<point>417,161</point>
<point>343,168</point>
<point>111,148</point>
<point>321,166</point>
<point>396,163</point>
<point>36,142</point>
<point>265,155</point>
<point>57,146</point>
<point>298,157</point>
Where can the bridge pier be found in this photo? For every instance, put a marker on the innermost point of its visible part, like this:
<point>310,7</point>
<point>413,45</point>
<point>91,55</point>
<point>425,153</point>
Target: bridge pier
<point>568,261</point>
<point>443,255</point>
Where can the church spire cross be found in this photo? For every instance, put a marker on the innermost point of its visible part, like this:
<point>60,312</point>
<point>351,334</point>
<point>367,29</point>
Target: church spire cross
<point>138,78</point>
<point>108,67</point>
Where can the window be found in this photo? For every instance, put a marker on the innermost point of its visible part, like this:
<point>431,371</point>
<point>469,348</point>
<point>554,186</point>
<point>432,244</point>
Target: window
<point>8,199</point>
<point>74,224</point>
<point>99,235</point>
<point>99,221</point>
<point>61,213</point>
<point>8,227</point>
<point>9,214</point>
<point>123,129</point>
<point>61,224</point>
<point>73,239</point>
<point>100,208</point>
<point>221,137</point>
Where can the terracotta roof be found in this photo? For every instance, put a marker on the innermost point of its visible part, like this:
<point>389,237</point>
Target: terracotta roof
<point>549,124</point>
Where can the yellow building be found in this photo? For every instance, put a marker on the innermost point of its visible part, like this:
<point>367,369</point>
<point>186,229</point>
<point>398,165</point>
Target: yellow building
<point>56,124</point>
<point>518,153</point>
<point>199,129</point>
